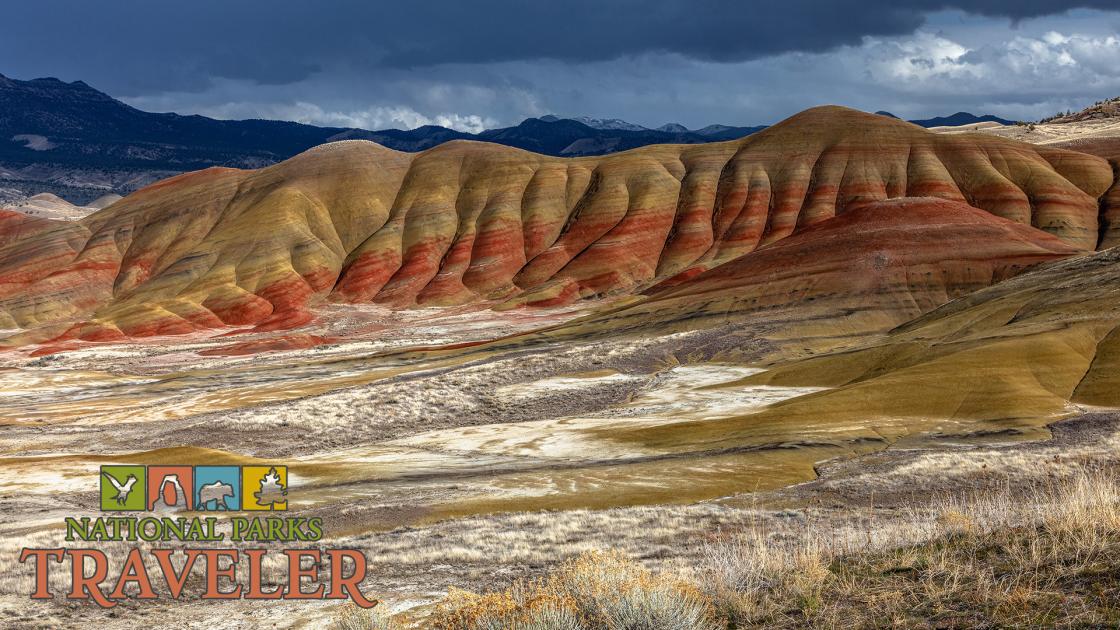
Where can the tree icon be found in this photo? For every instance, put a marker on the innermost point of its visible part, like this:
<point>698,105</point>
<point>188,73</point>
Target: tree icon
<point>272,490</point>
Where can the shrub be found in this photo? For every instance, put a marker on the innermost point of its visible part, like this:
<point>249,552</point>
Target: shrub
<point>1011,557</point>
<point>354,618</point>
<point>596,590</point>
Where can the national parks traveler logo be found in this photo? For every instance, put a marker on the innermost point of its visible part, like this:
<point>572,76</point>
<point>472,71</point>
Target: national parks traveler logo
<point>127,488</point>
<point>162,490</point>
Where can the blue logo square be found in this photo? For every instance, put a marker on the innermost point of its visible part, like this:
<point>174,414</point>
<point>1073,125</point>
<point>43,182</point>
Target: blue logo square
<point>217,488</point>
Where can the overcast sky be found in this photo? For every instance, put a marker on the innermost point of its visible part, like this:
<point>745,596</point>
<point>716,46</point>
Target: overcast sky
<point>473,64</point>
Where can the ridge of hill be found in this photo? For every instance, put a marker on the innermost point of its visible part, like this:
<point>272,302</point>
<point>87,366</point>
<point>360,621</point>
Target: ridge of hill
<point>472,222</point>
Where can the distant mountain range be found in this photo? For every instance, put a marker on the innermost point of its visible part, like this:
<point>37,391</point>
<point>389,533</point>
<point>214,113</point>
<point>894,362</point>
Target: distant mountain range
<point>956,120</point>
<point>73,124</point>
<point>711,133</point>
<point>72,140</point>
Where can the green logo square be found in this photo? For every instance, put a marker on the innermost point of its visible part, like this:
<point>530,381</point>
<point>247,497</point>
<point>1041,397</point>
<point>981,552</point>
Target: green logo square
<point>124,488</point>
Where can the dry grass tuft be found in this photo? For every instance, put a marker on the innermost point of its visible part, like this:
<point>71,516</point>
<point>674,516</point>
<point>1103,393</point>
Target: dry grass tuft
<point>594,590</point>
<point>1000,559</point>
<point>353,618</point>
<point>1010,558</point>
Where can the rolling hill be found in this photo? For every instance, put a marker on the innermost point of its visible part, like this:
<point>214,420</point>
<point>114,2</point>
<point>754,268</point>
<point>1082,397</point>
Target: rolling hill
<point>1022,349</point>
<point>472,222</point>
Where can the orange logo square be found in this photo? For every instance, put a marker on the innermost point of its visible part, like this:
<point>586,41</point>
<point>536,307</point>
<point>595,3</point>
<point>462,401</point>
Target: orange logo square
<point>171,488</point>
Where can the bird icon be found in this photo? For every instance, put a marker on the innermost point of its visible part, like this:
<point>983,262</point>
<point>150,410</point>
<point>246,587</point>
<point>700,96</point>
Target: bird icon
<point>124,489</point>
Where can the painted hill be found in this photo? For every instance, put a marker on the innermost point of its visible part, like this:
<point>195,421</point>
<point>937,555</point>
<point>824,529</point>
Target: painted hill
<point>1013,354</point>
<point>868,270</point>
<point>1018,353</point>
<point>467,222</point>
<point>1107,146</point>
<point>873,267</point>
<point>18,226</point>
<point>1094,130</point>
<point>50,206</point>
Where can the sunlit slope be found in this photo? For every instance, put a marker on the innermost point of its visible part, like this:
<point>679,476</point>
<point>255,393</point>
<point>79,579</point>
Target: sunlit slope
<point>866,271</point>
<point>464,222</point>
<point>17,226</point>
<point>1023,349</point>
<point>1105,145</point>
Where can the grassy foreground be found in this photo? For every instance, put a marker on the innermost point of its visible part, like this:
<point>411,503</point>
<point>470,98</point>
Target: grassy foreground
<point>1046,557</point>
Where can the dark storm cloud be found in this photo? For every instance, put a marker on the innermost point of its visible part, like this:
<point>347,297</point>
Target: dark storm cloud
<point>134,47</point>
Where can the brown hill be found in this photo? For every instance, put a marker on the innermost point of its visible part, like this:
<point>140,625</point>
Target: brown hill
<point>1007,359</point>
<point>890,260</point>
<point>355,222</point>
<point>17,226</point>
<point>868,270</point>
<point>1101,110</point>
<point>1017,354</point>
<point>48,206</point>
<point>1104,143</point>
<point>1094,130</point>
